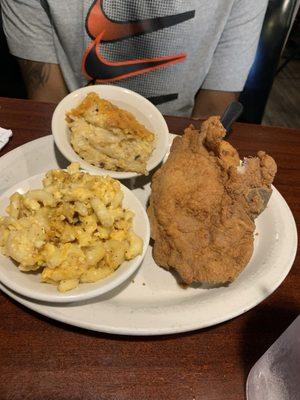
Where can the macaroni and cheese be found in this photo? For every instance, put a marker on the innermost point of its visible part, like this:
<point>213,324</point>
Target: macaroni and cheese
<point>74,229</point>
<point>108,137</point>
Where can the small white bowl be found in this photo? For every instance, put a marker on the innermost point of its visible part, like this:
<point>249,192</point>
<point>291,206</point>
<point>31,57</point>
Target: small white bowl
<point>29,284</point>
<point>143,110</point>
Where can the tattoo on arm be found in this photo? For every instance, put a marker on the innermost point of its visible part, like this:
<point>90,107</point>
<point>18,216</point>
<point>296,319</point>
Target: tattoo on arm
<point>35,74</point>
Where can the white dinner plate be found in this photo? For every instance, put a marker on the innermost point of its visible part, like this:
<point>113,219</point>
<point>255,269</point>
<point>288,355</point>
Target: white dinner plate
<point>29,284</point>
<point>151,303</point>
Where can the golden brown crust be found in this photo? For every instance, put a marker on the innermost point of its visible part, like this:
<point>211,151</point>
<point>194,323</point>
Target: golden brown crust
<point>203,206</point>
<point>112,116</point>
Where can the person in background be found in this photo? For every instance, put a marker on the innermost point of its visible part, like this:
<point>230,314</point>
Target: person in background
<point>188,57</point>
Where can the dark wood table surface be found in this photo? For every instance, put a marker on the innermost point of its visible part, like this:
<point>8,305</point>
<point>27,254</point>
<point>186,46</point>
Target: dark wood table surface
<point>44,359</point>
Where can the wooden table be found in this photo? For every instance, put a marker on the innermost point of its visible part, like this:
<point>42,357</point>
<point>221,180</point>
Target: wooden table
<point>44,359</point>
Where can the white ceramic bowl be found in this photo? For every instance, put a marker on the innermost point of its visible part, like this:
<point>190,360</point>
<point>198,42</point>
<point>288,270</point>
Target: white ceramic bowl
<point>29,284</point>
<point>144,111</point>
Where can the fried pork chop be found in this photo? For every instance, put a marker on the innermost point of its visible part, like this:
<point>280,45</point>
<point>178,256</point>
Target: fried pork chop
<point>203,205</point>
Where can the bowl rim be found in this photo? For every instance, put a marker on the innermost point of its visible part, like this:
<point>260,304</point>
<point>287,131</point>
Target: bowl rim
<point>91,292</point>
<point>70,154</point>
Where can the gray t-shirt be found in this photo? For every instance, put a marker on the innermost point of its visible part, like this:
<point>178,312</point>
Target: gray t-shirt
<point>164,50</point>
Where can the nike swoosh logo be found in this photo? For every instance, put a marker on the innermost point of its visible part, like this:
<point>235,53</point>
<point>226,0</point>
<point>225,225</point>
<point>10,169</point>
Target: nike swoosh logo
<point>97,22</point>
<point>102,29</point>
<point>110,71</point>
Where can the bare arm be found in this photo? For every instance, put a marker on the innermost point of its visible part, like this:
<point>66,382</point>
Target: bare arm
<point>212,102</point>
<point>44,82</point>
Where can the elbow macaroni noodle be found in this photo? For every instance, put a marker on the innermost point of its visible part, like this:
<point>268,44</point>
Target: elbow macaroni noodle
<point>74,229</point>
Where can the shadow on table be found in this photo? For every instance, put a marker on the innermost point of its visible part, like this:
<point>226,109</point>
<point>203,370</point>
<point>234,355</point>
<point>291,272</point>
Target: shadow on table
<point>262,329</point>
